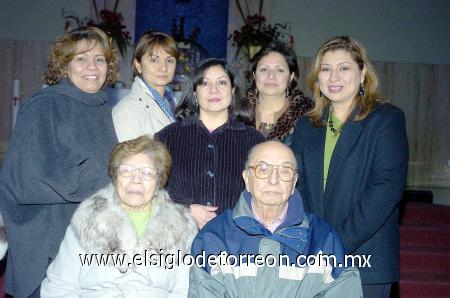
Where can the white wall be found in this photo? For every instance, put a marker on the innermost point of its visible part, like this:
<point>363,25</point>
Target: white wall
<point>27,30</point>
<point>414,31</point>
<point>42,20</point>
<point>37,19</point>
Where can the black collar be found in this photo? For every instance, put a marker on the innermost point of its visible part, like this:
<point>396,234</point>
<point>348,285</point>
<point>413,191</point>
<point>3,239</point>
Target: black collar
<point>232,123</point>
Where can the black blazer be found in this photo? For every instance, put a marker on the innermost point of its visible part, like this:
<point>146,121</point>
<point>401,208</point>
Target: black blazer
<point>365,182</point>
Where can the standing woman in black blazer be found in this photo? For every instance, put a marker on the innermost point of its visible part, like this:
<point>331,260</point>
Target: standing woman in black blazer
<point>352,151</point>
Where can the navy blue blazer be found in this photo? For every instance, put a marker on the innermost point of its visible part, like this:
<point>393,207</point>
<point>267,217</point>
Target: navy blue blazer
<point>365,183</point>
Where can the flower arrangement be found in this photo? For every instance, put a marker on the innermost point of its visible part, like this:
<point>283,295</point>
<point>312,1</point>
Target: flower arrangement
<point>256,33</point>
<point>110,21</point>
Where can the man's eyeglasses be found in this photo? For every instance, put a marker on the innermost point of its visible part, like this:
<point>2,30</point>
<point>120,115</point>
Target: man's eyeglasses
<point>265,170</point>
<point>127,171</point>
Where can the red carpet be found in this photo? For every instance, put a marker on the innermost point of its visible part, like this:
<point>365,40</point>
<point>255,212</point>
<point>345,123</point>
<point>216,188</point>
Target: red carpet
<point>424,251</point>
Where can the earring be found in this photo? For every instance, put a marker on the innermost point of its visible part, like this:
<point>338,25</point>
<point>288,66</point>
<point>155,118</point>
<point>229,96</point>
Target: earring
<point>321,94</point>
<point>195,101</point>
<point>361,90</point>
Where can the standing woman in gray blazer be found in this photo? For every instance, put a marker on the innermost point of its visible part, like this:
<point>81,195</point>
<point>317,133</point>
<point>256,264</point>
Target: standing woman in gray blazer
<point>352,151</point>
<point>150,105</point>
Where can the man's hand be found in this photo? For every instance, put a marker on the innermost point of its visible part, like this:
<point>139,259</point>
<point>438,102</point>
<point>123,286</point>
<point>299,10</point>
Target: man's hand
<point>202,214</point>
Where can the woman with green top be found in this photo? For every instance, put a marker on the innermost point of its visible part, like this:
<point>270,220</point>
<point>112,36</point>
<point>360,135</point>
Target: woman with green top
<point>127,231</point>
<point>352,152</point>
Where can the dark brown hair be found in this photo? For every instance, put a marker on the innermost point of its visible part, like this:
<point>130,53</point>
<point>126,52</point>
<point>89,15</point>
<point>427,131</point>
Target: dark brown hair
<point>189,105</point>
<point>289,55</point>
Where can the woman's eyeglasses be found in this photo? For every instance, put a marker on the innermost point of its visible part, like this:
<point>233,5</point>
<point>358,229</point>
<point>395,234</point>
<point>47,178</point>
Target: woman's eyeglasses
<point>128,171</point>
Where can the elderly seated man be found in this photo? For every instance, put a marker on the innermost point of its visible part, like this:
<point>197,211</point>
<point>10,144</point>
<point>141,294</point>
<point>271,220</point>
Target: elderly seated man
<point>267,246</point>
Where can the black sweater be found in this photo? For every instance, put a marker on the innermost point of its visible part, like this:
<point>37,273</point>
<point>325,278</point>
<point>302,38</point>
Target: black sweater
<point>207,167</point>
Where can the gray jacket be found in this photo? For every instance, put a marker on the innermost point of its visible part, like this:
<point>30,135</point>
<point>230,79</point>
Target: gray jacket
<point>57,157</point>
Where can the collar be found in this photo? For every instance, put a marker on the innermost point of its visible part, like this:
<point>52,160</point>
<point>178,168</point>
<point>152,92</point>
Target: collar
<point>293,232</point>
<point>168,93</point>
<point>295,100</point>
<point>165,102</point>
<point>232,123</point>
<point>298,104</point>
<point>103,209</point>
<point>276,222</point>
<point>243,216</point>
<point>350,118</point>
<point>66,87</point>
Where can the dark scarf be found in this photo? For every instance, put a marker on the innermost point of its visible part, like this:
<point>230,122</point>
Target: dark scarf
<point>299,104</point>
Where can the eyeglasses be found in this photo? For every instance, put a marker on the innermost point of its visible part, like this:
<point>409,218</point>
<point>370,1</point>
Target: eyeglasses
<point>128,171</point>
<point>265,170</point>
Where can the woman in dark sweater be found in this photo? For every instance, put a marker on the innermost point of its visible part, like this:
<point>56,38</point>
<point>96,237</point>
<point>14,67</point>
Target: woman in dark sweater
<point>210,143</point>
<point>58,155</point>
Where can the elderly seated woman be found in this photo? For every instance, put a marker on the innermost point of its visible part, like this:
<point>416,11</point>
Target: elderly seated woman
<point>116,237</point>
<point>267,246</point>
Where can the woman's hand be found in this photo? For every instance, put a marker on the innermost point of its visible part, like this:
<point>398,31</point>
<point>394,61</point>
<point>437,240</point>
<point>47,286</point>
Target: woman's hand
<point>202,214</point>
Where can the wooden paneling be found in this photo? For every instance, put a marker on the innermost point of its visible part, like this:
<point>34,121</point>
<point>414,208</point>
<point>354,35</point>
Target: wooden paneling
<point>23,60</point>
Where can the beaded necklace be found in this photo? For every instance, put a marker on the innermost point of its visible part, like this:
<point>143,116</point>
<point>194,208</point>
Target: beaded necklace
<point>336,131</point>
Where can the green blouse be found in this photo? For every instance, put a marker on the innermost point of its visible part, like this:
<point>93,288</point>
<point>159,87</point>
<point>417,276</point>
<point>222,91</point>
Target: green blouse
<point>330,142</point>
<point>140,220</point>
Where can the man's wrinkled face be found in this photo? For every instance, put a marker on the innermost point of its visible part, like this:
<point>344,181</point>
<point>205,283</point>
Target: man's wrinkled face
<point>276,159</point>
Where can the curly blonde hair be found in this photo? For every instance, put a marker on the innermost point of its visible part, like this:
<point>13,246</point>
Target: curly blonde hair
<point>66,46</point>
<point>365,103</point>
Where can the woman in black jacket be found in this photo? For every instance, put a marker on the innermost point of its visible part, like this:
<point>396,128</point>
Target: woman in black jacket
<point>210,143</point>
<point>353,156</point>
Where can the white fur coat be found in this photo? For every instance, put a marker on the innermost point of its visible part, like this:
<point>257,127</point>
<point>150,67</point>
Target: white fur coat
<point>101,226</point>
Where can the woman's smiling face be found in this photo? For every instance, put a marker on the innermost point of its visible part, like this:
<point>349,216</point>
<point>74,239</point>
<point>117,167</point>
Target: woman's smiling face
<point>340,77</point>
<point>214,93</point>
<point>272,75</point>
<point>87,69</point>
